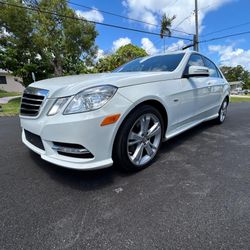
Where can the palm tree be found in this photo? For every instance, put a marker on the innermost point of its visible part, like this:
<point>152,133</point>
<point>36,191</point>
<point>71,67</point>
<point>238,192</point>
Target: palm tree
<point>166,23</point>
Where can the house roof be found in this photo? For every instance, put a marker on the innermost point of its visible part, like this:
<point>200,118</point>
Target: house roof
<point>236,83</point>
<point>2,71</point>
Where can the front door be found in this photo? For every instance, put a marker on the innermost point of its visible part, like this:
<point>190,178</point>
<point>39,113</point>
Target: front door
<point>196,94</point>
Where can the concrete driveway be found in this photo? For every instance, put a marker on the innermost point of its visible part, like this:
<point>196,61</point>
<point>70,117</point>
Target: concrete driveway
<point>195,196</point>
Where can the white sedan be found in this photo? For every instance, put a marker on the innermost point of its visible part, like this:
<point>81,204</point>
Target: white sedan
<point>92,121</point>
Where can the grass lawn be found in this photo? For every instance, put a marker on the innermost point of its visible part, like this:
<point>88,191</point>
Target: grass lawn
<point>4,93</point>
<point>11,108</point>
<point>239,99</point>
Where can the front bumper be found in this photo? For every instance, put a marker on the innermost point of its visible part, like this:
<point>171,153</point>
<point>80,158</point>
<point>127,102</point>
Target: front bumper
<point>63,161</point>
<point>82,129</point>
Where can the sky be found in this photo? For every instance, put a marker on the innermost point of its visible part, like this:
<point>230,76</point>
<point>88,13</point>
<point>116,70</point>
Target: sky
<point>214,15</point>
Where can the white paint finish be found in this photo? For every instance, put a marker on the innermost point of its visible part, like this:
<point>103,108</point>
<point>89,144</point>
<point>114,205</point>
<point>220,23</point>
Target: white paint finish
<point>187,101</point>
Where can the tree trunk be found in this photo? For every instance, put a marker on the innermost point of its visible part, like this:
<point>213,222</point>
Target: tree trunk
<point>58,70</point>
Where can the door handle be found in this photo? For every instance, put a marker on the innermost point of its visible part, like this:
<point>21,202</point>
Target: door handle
<point>209,85</point>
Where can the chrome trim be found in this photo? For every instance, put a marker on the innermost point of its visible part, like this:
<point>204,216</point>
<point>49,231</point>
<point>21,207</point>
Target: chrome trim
<point>31,104</point>
<point>70,150</point>
<point>30,109</point>
<point>36,91</point>
<point>37,96</point>
<point>32,99</point>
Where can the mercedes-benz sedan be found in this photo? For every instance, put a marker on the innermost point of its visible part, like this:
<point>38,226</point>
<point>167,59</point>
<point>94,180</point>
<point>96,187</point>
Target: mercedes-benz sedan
<point>92,121</point>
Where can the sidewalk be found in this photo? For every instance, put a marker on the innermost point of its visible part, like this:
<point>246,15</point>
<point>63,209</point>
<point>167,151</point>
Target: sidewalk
<point>241,96</point>
<point>6,99</point>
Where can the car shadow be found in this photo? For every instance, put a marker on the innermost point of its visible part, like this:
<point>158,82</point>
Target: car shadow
<point>176,141</point>
<point>78,179</point>
<point>98,179</point>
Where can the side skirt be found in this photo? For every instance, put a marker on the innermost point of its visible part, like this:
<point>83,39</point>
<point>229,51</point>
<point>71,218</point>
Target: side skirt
<point>187,126</point>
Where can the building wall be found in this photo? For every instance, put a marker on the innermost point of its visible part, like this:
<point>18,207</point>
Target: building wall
<point>12,85</point>
<point>236,85</point>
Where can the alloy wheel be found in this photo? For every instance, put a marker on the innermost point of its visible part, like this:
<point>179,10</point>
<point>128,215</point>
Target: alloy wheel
<point>223,111</point>
<point>144,139</point>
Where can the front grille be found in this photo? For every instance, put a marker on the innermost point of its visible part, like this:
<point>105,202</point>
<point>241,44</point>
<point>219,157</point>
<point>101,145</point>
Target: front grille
<point>34,139</point>
<point>32,101</point>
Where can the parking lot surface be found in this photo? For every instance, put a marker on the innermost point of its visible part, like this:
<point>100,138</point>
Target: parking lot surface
<point>195,196</point>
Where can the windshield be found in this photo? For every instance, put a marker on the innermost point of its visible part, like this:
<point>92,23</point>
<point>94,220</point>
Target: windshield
<point>155,63</point>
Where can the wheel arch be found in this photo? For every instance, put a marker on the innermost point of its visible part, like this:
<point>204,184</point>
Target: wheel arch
<point>227,97</point>
<point>152,102</point>
<point>158,105</point>
<point>226,93</point>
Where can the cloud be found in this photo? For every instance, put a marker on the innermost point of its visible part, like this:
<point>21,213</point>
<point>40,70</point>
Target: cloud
<point>149,46</point>
<point>146,44</point>
<point>100,54</point>
<point>151,11</point>
<point>231,56</point>
<point>92,15</point>
<point>176,46</point>
<point>120,42</point>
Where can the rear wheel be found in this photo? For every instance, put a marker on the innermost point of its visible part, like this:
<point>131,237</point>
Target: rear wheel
<point>138,139</point>
<point>222,112</point>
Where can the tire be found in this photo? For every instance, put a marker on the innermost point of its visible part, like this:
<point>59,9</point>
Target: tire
<point>222,112</point>
<point>138,139</point>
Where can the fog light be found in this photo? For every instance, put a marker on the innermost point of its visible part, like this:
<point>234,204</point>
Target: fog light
<point>71,150</point>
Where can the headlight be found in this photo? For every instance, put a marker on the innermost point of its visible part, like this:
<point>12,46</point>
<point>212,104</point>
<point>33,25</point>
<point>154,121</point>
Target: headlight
<point>58,104</point>
<point>90,99</point>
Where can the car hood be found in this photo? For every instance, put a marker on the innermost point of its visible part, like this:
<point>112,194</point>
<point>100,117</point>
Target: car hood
<point>70,85</point>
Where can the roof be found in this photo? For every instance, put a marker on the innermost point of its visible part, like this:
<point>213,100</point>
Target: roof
<point>174,52</point>
<point>236,83</point>
<point>2,71</point>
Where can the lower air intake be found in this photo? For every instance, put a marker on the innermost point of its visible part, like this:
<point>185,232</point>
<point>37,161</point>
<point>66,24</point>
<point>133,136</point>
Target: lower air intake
<point>34,139</point>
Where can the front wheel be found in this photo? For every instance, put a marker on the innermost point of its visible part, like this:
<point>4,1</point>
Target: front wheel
<point>138,139</point>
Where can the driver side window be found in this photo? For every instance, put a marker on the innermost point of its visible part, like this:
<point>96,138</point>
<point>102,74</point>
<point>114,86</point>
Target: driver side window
<point>194,60</point>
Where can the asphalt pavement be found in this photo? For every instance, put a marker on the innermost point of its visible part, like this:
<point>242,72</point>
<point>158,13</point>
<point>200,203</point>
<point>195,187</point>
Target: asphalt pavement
<point>195,196</point>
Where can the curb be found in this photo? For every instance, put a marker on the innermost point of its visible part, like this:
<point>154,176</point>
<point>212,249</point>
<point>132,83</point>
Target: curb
<point>8,115</point>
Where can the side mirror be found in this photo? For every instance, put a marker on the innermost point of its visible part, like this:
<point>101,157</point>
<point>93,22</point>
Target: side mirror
<point>197,71</point>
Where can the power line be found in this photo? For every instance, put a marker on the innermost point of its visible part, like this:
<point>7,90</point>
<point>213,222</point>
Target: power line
<point>111,13</point>
<point>174,3</point>
<point>228,28</point>
<point>222,37</point>
<point>206,7</point>
<point>124,17</point>
<point>89,21</point>
<point>192,13</point>
<point>184,19</point>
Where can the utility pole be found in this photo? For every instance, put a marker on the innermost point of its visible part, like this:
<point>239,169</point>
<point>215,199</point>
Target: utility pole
<point>196,36</point>
<point>164,42</point>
